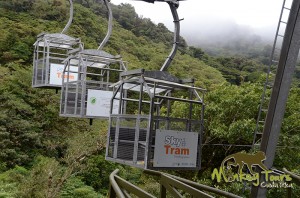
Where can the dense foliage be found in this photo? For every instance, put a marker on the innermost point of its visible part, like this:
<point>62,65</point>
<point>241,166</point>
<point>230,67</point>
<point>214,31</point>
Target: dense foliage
<point>44,155</point>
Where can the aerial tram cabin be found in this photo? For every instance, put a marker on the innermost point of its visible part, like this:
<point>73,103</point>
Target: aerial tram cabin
<point>156,121</point>
<point>88,75</point>
<point>86,91</point>
<point>50,50</point>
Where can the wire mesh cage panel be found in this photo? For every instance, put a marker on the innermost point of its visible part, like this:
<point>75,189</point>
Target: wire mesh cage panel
<point>156,122</point>
<point>86,90</point>
<point>50,50</point>
<point>130,138</point>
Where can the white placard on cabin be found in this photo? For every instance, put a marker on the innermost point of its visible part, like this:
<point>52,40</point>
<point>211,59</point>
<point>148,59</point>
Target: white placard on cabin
<point>98,103</point>
<point>175,149</point>
<point>56,74</point>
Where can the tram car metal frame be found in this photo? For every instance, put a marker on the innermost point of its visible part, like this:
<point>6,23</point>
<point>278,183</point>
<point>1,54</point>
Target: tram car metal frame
<point>143,111</point>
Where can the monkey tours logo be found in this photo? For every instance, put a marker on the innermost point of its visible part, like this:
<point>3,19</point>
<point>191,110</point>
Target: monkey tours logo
<point>239,167</point>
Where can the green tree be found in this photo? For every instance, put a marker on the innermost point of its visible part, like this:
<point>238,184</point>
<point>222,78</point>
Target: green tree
<point>29,118</point>
<point>75,188</point>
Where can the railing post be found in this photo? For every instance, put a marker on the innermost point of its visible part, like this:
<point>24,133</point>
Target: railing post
<point>289,191</point>
<point>111,193</point>
<point>114,189</point>
<point>163,191</point>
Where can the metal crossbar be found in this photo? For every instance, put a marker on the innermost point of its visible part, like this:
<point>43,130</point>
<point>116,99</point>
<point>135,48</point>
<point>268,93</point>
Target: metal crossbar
<point>132,130</point>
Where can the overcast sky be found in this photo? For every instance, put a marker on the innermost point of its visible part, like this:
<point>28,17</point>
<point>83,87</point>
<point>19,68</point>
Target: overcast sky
<point>206,14</point>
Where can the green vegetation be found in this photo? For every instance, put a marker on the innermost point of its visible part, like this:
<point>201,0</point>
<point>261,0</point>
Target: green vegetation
<point>44,155</point>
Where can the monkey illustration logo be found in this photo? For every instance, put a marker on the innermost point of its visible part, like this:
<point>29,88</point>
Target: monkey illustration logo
<point>239,167</point>
<point>240,159</point>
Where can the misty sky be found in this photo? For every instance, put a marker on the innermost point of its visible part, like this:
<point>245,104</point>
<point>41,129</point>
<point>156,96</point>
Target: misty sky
<point>213,16</point>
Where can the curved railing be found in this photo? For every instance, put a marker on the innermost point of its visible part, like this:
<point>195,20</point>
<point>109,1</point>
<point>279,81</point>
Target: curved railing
<point>295,180</point>
<point>120,188</point>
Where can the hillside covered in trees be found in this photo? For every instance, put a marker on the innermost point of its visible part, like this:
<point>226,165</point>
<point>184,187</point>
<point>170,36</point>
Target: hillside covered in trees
<point>44,155</point>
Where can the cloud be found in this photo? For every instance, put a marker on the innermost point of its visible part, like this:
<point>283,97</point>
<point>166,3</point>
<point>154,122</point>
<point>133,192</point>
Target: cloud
<point>216,22</point>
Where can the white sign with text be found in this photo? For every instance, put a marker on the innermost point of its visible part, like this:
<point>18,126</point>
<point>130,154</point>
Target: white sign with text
<point>98,103</point>
<point>175,149</point>
<point>56,74</point>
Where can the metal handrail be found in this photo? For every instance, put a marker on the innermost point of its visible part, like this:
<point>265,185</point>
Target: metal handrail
<point>115,190</point>
<point>132,188</point>
<point>206,188</point>
<point>296,178</point>
<point>171,184</point>
<point>194,184</point>
<point>121,188</point>
<point>126,187</point>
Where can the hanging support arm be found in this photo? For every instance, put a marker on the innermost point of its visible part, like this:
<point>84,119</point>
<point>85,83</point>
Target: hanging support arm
<point>70,18</point>
<point>173,6</point>
<point>110,21</point>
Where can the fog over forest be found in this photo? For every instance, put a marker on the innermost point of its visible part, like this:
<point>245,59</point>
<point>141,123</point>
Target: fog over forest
<point>231,27</point>
<point>215,35</point>
<point>224,31</point>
